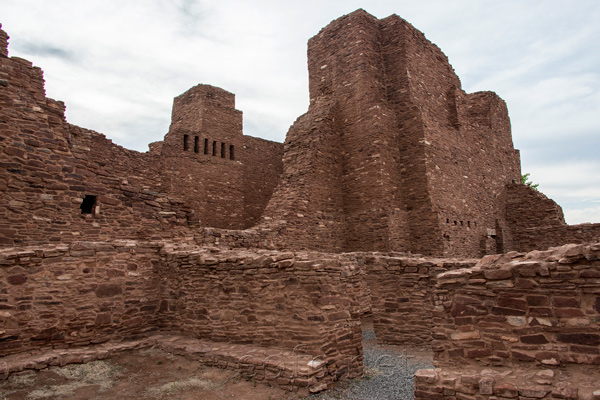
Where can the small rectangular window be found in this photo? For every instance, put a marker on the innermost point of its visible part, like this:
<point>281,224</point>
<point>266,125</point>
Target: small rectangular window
<point>222,150</point>
<point>214,153</point>
<point>205,146</point>
<point>88,204</point>
<point>186,142</point>
<point>196,144</point>
<point>231,153</point>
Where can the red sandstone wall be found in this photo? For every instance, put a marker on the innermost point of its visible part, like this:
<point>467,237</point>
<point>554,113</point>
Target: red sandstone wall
<point>225,177</point>
<point>403,145</point>
<point>197,158</point>
<point>460,146</point>
<point>540,307</point>
<point>295,302</point>
<point>306,208</point>
<point>401,298</point>
<point>263,164</point>
<point>3,43</point>
<point>537,222</point>
<point>49,166</point>
<point>266,299</point>
<point>77,294</point>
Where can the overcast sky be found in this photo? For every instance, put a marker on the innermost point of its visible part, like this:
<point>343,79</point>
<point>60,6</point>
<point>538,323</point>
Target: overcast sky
<point>117,64</point>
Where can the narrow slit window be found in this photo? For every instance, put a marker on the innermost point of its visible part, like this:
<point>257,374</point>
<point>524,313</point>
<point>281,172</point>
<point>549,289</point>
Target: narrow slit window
<point>214,153</point>
<point>88,204</point>
<point>231,153</point>
<point>186,142</point>
<point>205,146</point>
<point>196,144</point>
<point>222,150</point>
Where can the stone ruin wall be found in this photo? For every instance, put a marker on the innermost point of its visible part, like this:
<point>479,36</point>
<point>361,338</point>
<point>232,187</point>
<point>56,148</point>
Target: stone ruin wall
<point>389,147</point>
<point>400,299</point>
<point>348,174</point>
<point>77,294</point>
<point>538,222</point>
<point>534,314</point>
<point>48,169</point>
<point>50,166</point>
<point>86,293</point>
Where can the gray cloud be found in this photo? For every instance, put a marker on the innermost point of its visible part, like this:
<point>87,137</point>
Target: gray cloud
<point>40,49</point>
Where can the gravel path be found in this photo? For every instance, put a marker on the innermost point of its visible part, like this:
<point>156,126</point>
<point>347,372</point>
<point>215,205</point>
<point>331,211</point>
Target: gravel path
<point>389,372</point>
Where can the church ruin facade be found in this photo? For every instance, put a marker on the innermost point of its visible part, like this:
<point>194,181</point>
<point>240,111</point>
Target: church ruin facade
<point>394,174</point>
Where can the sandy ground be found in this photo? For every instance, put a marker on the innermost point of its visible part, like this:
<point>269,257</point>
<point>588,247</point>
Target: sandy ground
<point>151,374</point>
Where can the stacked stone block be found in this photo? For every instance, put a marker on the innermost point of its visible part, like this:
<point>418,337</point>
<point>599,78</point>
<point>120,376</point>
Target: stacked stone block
<point>401,299</point>
<point>518,312</point>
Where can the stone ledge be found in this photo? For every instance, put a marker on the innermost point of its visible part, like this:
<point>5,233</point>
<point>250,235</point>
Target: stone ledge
<point>575,382</point>
<point>288,369</point>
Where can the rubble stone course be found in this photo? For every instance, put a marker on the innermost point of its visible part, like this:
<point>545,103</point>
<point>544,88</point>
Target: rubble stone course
<point>263,257</point>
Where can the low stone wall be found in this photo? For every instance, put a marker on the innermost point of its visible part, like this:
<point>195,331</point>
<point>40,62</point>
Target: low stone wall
<point>401,294</point>
<point>507,383</point>
<point>75,295</point>
<point>258,307</point>
<point>537,307</point>
<point>232,238</point>
<point>303,302</point>
<point>546,237</point>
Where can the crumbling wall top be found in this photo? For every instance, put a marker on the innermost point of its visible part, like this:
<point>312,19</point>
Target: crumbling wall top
<point>3,43</point>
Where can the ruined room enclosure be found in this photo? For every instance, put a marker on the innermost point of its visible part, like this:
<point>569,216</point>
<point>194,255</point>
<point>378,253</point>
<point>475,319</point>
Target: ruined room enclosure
<point>255,267</point>
<point>293,319</point>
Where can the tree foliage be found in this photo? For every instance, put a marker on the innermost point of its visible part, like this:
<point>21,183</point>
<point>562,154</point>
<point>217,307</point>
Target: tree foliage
<point>525,181</point>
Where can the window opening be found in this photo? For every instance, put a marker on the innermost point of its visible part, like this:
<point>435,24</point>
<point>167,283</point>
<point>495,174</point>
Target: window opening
<point>88,204</point>
<point>214,153</point>
<point>231,153</point>
<point>186,142</point>
<point>196,144</point>
<point>222,150</point>
<point>205,146</point>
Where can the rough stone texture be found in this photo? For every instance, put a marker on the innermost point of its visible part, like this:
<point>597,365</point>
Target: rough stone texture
<point>3,43</point>
<point>470,383</point>
<point>226,177</point>
<point>292,301</point>
<point>49,166</point>
<point>288,369</point>
<point>537,222</point>
<point>103,244</point>
<point>85,293</point>
<point>391,146</point>
<point>401,298</point>
<point>540,309</point>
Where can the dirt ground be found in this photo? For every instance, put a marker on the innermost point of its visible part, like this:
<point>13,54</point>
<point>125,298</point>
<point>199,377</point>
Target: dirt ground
<point>150,374</point>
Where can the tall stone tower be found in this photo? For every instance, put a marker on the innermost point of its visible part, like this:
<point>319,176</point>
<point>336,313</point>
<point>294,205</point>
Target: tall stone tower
<point>200,155</point>
<point>392,153</point>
